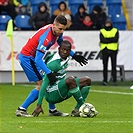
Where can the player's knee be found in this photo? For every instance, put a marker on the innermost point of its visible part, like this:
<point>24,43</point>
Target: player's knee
<point>38,84</point>
<point>71,82</point>
<point>88,81</point>
<point>38,87</point>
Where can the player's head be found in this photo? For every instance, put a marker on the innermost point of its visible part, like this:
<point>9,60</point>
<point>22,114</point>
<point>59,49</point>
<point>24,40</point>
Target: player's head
<point>59,25</point>
<point>64,49</point>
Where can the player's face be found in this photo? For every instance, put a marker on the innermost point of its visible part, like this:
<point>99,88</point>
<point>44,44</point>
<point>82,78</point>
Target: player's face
<point>64,51</point>
<point>58,29</point>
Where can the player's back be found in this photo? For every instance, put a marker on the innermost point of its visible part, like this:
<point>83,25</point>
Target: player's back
<point>31,46</point>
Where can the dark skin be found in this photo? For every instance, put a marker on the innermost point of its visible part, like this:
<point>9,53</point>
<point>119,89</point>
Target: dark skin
<point>64,52</point>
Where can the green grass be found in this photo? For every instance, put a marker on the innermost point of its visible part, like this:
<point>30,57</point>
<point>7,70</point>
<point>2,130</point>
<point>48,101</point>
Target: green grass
<point>114,104</point>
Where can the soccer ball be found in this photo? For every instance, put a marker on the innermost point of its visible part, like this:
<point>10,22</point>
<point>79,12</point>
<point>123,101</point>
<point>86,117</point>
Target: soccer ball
<point>87,110</point>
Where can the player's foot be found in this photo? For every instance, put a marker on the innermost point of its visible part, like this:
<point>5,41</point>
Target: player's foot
<point>22,112</point>
<point>57,113</point>
<point>75,113</point>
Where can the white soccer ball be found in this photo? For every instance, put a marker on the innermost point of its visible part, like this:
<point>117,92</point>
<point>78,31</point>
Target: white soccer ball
<point>87,110</point>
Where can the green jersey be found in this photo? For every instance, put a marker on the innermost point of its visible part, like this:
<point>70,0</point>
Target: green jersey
<point>58,66</point>
<point>60,91</point>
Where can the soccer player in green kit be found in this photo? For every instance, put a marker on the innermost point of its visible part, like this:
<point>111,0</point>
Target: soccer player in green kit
<point>64,87</point>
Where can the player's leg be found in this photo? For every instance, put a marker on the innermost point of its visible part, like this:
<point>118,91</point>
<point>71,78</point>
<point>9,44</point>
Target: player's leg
<point>32,72</point>
<point>65,89</point>
<point>56,94</point>
<point>74,90</point>
<point>84,84</point>
<point>32,97</point>
<point>33,75</point>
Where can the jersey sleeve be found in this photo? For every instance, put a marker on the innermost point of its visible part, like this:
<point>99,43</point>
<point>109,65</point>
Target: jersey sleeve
<point>39,61</point>
<point>44,85</point>
<point>41,51</point>
<point>60,39</point>
<point>72,53</point>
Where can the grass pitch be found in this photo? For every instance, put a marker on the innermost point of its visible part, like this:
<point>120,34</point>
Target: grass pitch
<point>114,104</point>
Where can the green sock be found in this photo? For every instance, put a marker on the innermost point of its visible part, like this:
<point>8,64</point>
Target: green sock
<point>77,95</point>
<point>85,91</point>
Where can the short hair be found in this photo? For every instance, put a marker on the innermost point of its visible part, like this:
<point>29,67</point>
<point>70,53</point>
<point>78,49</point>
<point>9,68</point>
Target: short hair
<point>66,42</point>
<point>61,19</point>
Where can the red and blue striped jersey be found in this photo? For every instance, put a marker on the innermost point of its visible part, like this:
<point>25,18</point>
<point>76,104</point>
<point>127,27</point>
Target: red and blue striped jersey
<point>41,40</point>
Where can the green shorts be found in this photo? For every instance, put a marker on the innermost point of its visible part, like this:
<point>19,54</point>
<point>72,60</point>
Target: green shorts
<point>58,92</point>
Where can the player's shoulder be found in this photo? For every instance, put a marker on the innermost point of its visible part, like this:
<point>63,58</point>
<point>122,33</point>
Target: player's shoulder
<point>42,31</point>
<point>46,27</point>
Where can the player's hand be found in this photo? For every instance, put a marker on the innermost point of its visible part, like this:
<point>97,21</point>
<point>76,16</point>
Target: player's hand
<point>38,110</point>
<point>52,78</point>
<point>80,59</point>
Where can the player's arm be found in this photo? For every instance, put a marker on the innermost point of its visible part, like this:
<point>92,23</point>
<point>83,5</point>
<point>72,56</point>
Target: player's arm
<point>44,85</point>
<point>42,91</point>
<point>79,58</point>
<point>38,108</point>
<point>41,50</point>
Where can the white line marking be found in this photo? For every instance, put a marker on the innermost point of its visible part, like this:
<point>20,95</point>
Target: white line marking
<point>68,121</point>
<point>83,121</point>
<point>100,91</point>
<point>27,85</point>
<point>112,121</point>
<point>112,92</point>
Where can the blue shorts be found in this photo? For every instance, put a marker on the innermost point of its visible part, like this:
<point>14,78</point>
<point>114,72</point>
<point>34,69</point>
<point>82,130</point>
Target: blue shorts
<point>32,72</point>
